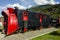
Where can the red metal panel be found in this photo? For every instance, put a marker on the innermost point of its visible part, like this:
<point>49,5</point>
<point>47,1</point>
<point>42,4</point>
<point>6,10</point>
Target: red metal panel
<point>25,15</point>
<point>25,29</point>
<point>40,18</point>
<point>12,24</point>
<point>10,10</point>
<point>45,17</point>
<point>6,12</point>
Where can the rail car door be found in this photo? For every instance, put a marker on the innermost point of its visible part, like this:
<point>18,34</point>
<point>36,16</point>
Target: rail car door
<point>41,20</point>
<point>25,20</point>
<point>44,20</point>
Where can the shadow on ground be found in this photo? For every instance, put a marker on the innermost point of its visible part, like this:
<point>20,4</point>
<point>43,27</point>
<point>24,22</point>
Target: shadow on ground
<point>55,33</point>
<point>0,30</point>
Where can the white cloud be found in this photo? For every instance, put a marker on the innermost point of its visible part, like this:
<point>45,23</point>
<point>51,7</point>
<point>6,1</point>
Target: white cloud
<point>16,5</point>
<point>27,3</point>
<point>53,2</point>
<point>1,7</point>
<point>30,6</point>
<point>57,2</point>
<point>43,2</point>
<point>12,6</point>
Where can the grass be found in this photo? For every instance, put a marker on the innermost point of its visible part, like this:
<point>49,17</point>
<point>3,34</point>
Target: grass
<point>1,27</point>
<point>51,36</point>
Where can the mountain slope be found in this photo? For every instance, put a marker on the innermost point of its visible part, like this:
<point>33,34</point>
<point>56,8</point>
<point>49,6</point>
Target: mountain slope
<point>53,10</point>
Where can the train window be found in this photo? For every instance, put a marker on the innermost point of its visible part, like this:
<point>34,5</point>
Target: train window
<point>54,20</point>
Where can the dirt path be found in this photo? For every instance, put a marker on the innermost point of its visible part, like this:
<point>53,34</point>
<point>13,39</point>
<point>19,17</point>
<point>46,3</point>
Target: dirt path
<point>27,35</point>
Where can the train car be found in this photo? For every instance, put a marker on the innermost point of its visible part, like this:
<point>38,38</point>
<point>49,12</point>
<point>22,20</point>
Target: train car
<point>24,20</point>
<point>58,20</point>
<point>55,22</point>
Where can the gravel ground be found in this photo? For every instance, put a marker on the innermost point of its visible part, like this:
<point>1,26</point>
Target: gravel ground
<point>28,35</point>
<point>1,23</point>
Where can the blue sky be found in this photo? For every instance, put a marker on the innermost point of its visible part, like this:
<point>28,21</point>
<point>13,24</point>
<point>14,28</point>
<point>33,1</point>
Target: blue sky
<point>24,3</point>
<point>21,2</point>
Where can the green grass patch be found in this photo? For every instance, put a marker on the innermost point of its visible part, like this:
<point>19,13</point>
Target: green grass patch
<point>51,36</point>
<point>1,27</point>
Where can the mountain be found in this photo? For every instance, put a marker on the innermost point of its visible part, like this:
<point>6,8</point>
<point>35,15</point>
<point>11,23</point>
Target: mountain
<point>53,10</point>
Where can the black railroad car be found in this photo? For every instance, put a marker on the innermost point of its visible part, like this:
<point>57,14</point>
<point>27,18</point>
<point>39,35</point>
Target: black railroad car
<point>24,20</point>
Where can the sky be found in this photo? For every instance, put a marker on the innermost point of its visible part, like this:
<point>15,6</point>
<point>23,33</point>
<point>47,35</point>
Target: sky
<point>24,4</point>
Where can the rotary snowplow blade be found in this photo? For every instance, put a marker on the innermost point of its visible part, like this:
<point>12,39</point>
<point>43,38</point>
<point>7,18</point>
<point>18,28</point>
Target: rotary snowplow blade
<point>10,21</point>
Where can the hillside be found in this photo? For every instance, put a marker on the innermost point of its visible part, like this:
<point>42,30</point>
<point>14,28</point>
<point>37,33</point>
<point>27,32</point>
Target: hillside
<point>53,10</point>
